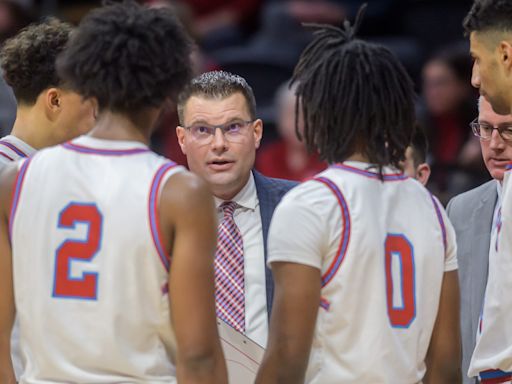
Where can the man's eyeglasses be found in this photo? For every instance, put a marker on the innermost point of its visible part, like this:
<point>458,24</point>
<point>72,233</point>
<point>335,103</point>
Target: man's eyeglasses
<point>484,130</point>
<point>234,131</point>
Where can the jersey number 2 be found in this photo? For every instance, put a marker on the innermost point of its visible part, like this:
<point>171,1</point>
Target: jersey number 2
<point>73,251</point>
<point>402,307</point>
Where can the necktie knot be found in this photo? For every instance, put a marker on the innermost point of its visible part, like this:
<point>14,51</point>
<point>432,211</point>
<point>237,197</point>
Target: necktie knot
<point>228,207</point>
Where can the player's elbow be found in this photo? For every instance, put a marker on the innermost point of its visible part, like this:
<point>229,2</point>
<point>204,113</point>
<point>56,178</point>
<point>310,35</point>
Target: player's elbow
<point>448,373</point>
<point>451,374</point>
<point>203,364</point>
<point>291,369</point>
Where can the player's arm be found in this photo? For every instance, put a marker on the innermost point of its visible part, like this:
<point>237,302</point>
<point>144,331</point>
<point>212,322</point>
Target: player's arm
<point>7,309</point>
<point>444,353</point>
<point>292,324</point>
<point>296,237</point>
<point>443,358</point>
<point>187,212</point>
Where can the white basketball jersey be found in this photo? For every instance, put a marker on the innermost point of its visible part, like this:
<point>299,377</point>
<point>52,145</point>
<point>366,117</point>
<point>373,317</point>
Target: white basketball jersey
<point>492,357</point>
<point>13,149</point>
<point>382,248</point>
<point>90,271</point>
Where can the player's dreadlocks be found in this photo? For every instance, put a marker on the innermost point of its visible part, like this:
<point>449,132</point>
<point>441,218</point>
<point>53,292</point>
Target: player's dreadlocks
<point>355,97</point>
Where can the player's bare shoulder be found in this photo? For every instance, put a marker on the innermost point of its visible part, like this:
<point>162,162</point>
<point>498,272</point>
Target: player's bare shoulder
<point>185,190</point>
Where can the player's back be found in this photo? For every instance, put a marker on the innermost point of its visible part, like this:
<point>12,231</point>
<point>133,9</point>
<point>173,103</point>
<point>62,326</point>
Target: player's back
<point>90,272</point>
<point>382,268</point>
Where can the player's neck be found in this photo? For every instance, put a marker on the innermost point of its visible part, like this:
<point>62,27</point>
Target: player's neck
<point>118,126</point>
<point>32,128</point>
<point>358,157</point>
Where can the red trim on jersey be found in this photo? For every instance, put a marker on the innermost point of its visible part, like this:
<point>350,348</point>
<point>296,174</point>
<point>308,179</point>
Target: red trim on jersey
<point>440,219</point>
<point>13,148</point>
<point>370,174</point>
<point>6,156</point>
<point>16,191</point>
<point>495,376</point>
<point>154,217</point>
<point>324,303</point>
<point>345,231</point>
<point>105,152</point>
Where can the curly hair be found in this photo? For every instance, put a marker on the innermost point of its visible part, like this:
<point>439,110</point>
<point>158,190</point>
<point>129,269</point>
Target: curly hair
<point>217,85</point>
<point>355,97</point>
<point>127,56</point>
<point>486,15</point>
<point>28,59</point>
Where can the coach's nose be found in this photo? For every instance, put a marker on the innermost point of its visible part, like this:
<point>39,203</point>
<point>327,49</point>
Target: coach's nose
<point>219,142</point>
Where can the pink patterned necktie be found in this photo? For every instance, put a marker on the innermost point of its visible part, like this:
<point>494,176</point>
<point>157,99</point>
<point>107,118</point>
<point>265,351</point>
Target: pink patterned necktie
<point>229,270</point>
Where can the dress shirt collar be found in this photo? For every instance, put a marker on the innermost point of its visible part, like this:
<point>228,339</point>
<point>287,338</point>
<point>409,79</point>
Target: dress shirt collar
<point>247,198</point>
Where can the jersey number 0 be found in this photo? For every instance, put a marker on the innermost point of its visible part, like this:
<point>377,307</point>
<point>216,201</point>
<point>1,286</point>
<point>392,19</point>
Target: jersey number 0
<point>401,314</point>
<point>73,252</point>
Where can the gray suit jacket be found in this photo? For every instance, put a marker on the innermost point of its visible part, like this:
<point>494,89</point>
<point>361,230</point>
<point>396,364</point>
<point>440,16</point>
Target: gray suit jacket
<point>471,214</point>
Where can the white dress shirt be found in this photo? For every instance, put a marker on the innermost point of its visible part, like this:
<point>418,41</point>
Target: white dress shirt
<point>247,218</point>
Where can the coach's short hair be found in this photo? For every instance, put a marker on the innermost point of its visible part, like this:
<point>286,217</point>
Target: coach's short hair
<point>217,85</point>
<point>128,57</point>
<point>486,15</point>
<point>28,59</point>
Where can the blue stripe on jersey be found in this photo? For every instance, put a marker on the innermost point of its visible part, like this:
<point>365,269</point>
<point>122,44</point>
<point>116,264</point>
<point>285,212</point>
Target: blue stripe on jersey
<point>493,374</point>
<point>13,148</point>
<point>105,152</point>
<point>345,232</point>
<point>372,175</point>
<point>440,219</point>
<point>153,212</point>
<point>16,194</point>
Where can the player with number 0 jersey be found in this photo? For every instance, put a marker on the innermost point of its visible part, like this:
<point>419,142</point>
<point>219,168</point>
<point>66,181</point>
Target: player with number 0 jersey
<point>363,257</point>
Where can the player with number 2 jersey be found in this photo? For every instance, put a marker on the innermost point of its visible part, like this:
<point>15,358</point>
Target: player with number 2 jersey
<point>106,248</point>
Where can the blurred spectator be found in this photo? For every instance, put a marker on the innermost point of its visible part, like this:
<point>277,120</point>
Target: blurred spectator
<point>222,23</point>
<point>449,108</point>
<point>14,15</point>
<point>287,157</point>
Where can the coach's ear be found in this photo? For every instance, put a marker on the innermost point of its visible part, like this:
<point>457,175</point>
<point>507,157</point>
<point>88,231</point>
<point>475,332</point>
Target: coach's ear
<point>52,101</point>
<point>258,132</point>
<point>180,133</point>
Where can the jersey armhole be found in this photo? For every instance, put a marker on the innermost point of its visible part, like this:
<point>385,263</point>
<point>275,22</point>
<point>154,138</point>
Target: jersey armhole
<point>16,192</point>
<point>161,176</point>
<point>345,231</point>
<point>440,219</point>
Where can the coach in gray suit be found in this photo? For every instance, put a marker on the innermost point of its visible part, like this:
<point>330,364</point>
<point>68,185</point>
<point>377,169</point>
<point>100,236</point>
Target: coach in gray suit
<point>473,215</point>
<point>219,133</point>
